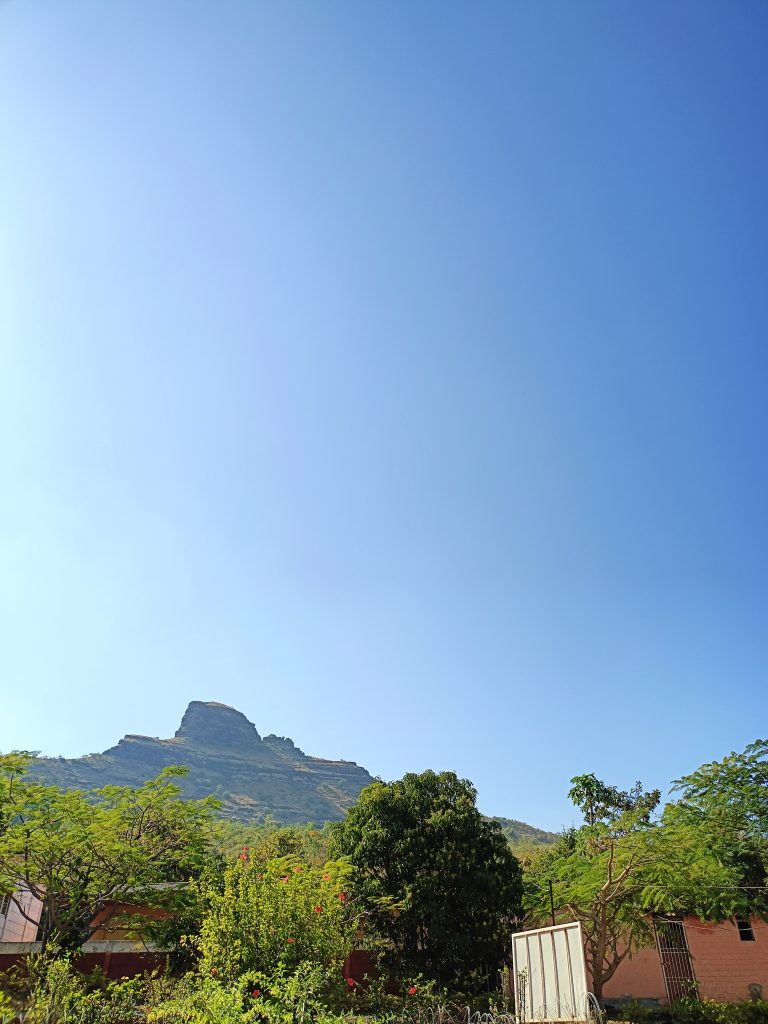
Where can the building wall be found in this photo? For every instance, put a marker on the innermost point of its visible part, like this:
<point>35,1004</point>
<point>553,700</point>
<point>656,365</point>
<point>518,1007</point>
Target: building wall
<point>723,964</point>
<point>123,920</point>
<point>638,977</point>
<point>14,927</point>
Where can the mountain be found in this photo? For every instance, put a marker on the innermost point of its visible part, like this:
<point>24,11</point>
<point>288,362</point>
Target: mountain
<point>253,777</point>
<point>520,834</point>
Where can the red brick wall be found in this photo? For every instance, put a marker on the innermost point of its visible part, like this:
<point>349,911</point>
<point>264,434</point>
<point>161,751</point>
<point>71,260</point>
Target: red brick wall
<point>114,965</point>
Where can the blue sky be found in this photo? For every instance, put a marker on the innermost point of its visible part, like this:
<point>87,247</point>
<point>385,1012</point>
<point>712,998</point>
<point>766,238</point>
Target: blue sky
<point>393,372</point>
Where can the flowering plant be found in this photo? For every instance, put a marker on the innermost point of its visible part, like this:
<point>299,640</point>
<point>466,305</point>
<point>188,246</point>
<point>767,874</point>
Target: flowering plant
<point>271,917</point>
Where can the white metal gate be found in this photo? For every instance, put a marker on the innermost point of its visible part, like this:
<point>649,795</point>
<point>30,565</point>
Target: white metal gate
<point>550,974</point>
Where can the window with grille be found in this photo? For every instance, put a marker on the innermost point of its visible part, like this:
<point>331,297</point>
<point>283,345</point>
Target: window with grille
<point>676,966</point>
<point>745,930</point>
<point>5,903</point>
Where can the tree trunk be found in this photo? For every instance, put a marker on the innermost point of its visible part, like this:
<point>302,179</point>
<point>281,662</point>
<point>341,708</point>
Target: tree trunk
<point>597,986</point>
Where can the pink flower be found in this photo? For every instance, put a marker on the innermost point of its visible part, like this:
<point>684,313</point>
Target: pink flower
<point>296,868</point>
<point>284,878</point>
<point>318,910</point>
<point>326,878</point>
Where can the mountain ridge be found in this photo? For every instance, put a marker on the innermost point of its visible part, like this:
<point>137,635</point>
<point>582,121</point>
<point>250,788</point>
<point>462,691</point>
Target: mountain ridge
<point>255,778</point>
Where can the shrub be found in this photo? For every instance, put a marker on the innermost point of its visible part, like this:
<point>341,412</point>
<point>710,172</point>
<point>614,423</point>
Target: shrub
<point>692,1011</point>
<point>269,919</point>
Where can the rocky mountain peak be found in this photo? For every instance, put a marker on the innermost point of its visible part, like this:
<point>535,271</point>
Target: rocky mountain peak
<point>208,725</point>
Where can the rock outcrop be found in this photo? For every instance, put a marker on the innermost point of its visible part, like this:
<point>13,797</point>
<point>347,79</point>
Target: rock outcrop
<point>254,778</point>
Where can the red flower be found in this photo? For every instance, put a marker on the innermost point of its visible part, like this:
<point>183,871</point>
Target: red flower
<point>243,856</point>
<point>214,970</point>
<point>342,897</point>
<point>256,993</point>
<point>326,878</point>
<point>290,940</point>
<point>318,910</point>
<point>351,982</point>
<point>412,990</point>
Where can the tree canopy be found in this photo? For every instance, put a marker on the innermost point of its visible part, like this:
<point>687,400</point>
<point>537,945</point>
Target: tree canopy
<point>439,883</point>
<point>77,851</point>
<point>621,867</point>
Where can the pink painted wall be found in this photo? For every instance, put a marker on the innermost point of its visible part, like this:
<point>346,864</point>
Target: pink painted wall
<point>723,964</point>
<point>638,977</point>
<point>14,927</point>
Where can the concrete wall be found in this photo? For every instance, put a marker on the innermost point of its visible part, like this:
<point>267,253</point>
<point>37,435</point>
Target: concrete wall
<point>14,927</point>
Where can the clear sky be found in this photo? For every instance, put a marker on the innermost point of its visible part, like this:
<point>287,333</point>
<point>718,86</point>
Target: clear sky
<point>395,372</point>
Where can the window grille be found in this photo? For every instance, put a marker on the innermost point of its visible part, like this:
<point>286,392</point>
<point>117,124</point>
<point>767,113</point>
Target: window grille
<point>5,903</point>
<point>745,930</point>
<point>676,966</point>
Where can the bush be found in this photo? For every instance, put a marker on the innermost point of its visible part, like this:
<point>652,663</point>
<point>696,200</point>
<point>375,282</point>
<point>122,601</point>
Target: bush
<point>270,919</point>
<point>56,992</point>
<point>692,1011</point>
<point>706,1011</point>
<point>283,998</point>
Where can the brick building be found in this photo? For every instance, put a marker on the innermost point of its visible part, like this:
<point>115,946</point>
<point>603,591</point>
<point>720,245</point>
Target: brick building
<point>726,961</point>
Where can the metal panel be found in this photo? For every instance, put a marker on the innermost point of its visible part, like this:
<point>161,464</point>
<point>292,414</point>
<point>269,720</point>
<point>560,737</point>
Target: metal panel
<point>550,974</point>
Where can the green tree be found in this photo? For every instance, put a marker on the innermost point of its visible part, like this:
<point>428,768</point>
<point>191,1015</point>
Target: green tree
<point>725,803</point>
<point>613,874</point>
<point>78,851</point>
<point>437,881</point>
<point>600,802</point>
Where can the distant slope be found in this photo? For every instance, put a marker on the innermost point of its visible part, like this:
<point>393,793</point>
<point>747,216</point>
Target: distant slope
<point>517,832</point>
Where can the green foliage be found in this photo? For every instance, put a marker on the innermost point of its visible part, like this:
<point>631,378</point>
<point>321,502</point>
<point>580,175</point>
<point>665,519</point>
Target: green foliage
<point>58,994</point>
<point>77,851</point>
<point>276,916</point>
<point>611,874</point>
<point>272,840</point>
<point>733,791</point>
<point>594,873</point>
<point>600,802</point>
<point>7,1009</point>
<point>437,881</point>
<point>692,1011</point>
<point>726,804</point>
<point>284,997</point>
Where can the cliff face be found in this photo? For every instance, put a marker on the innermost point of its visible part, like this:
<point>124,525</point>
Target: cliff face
<point>252,777</point>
